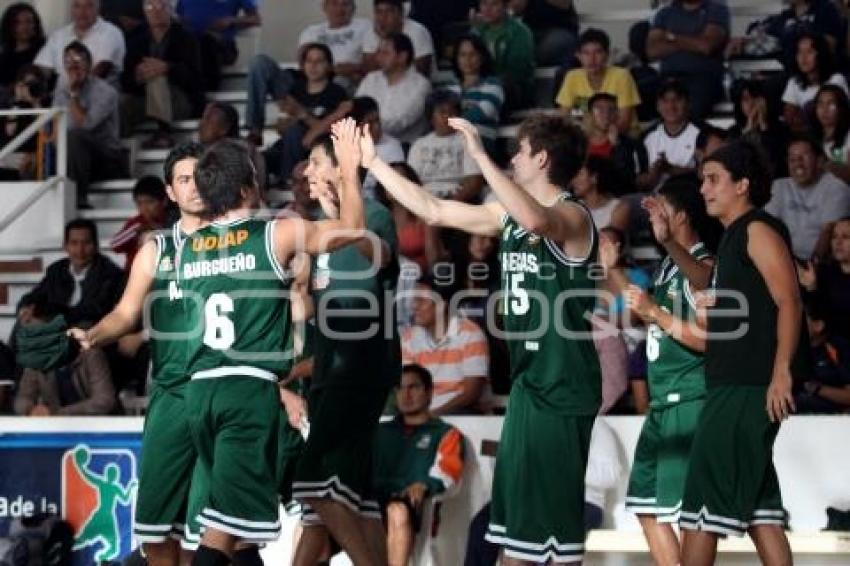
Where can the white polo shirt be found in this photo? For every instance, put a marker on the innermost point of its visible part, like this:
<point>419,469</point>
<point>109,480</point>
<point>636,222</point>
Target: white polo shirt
<point>678,149</point>
<point>103,39</point>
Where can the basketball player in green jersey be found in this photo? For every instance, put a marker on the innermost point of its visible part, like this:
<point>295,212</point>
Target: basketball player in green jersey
<point>731,486</point>
<point>548,246</point>
<point>237,306</point>
<point>674,350</point>
<point>168,455</point>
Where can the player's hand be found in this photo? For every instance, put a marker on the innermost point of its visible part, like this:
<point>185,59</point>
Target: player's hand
<point>295,407</point>
<point>368,153</point>
<point>40,411</point>
<point>609,253</point>
<point>416,493</point>
<point>81,336</point>
<point>780,400</point>
<point>807,276</point>
<point>346,139</point>
<point>470,136</point>
<point>638,301</point>
<point>658,218</point>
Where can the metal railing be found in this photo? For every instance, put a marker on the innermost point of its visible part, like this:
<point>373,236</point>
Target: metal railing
<point>44,116</point>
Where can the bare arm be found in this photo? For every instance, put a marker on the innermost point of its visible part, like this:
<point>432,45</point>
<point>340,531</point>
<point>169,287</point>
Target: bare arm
<point>698,272</point>
<point>773,260</point>
<point>625,117</point>
<point>123,318</point>
<point>467,399</point>
<point>688,333</point>
<point>709,42</point>
<point>839,395</point>
<point>657,46</point>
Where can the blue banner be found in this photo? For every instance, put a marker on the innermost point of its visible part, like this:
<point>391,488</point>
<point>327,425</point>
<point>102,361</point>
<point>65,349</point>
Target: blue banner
<point>88,479</point>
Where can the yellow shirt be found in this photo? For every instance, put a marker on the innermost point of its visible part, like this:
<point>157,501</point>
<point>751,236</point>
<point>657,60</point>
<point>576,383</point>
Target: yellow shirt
<point>576,90</point>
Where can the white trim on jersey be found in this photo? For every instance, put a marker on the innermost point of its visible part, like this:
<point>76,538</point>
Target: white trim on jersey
<point>235,371</point>
<point>280,271</point>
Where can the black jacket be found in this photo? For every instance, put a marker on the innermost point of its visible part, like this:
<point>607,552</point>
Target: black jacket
<point>101,288</point>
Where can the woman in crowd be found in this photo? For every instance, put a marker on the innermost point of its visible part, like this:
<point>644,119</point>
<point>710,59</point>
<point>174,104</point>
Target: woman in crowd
<point>812,68</point>
<point>597,185</point>
<point>755,123</point>
<point>831,125</point>
<point>21,37</point>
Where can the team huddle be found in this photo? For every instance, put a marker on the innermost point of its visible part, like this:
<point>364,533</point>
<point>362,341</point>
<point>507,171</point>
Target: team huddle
<point>224,295</point>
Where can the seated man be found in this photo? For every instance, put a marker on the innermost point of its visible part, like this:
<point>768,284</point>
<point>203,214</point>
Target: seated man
<point>220,120</point>
<point>86,284</point>
<point>688,38</point>
<point>215,25</point>
<point>59,378</point>
<point>512,45</point>
<point>440,158</point>
<point>162,74</point>
<point>416,456</point>
<point>344,34</point>
<point>365,112</point>
<point>451,347</point>
<point>103,40</point>
<point>389,18</point>
<point>605,140</point>
<point>94,148</point>
<point>809,199</point>
<point>151,205</point>
<point>398,89</point>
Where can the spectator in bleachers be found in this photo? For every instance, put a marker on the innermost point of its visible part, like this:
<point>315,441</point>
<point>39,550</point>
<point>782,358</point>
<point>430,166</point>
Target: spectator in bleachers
<point>817,17</point>
<point>831,126</point>
<point>151,205</point>
<point>310,100</point>
<point>400,91</point>
<point>512,45</point>
<point>827,389</point>
<point>826,283</point>
<point>688,37</point>
<point>480,91</point>
<point>451,347</point>
<point>810,199</point>
<point>86,284</point>
<point>597,76</point>
<point>619,274</point>
<point>605,140</point>
<point>389,18</point>
<point>418,457</point>
<point>94,148</point>
<point>30,92</point>
<point>344,34</point>
<point>671,144</point>
<point>104,41</point>
<point>162,74</point>
<point>127,16</point>
<point>596,185</point>
<point>445,20</point>
<point>755,123</point>
<point>364,110</point>
<point>21,38</point>
<point>417,241</point>
<point>440,158</point>
<point>58,378</point>
<point>710,139</point>
<point>215,24</point>
<point>555,27</point>
<point>813,66</point>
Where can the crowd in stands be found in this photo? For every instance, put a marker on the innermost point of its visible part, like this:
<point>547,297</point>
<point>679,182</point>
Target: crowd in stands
<point>405,73</point>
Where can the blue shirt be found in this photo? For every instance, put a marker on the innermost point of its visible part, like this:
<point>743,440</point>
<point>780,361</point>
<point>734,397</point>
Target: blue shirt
<point>198,15</point>
<point>678,20</point>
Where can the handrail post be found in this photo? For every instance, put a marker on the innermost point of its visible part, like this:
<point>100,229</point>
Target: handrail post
<point>62,144</point>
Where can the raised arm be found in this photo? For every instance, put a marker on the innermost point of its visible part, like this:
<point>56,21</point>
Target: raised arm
<point>482,219</point>
<point>123,318</point>
<point>697,271</point>
<point>558,223</point>
<point>688,333</point>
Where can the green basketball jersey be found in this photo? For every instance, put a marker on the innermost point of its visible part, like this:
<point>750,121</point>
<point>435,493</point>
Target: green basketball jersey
<point>356,341</point>
<point>546,299</point>
<point>676,373</point>
<point>236,297</point>
<point>165,318</point>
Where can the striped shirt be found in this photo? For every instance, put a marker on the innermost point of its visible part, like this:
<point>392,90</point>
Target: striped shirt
<point>461,354</point>
<point>481,104</point>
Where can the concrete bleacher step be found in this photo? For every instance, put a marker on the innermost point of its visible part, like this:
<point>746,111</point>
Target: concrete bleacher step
<point>110,220</point>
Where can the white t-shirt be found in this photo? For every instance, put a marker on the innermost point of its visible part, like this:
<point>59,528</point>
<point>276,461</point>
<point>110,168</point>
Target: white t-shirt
<point>401,105</point>
<point>104,40</point>
<point>441,162</point>
<point>678,149</point>
<point>602,215</point>
<point>346,42</point>
<point>419,35</point>
<point>798,96</point>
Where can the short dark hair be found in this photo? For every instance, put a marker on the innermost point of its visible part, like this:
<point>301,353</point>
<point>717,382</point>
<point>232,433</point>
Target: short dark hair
<point>79,48</point>
<point>594,35</point>
<point>185,150</point>
<point>7,26</point>
<point>307,47</point>
<point>222,174</point>
<point>326,142</point>
<point>401,44</point>
<point>362,105</point>
<point>675,86</point>
<point>397,3</point>
<point>609,179</point>
<point>81,224</point>
<point>425,377</point>
<point>807,138</point>
<point>482,50</point>
<point>707,131</point>
<point>565,145</point>
<point>842,126</point>
<point>150,186</point>
<point>442,98</point>
<point>231,118</point>
<point>599,96</point>
<point>683,193</point>
<point>744,161</point>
